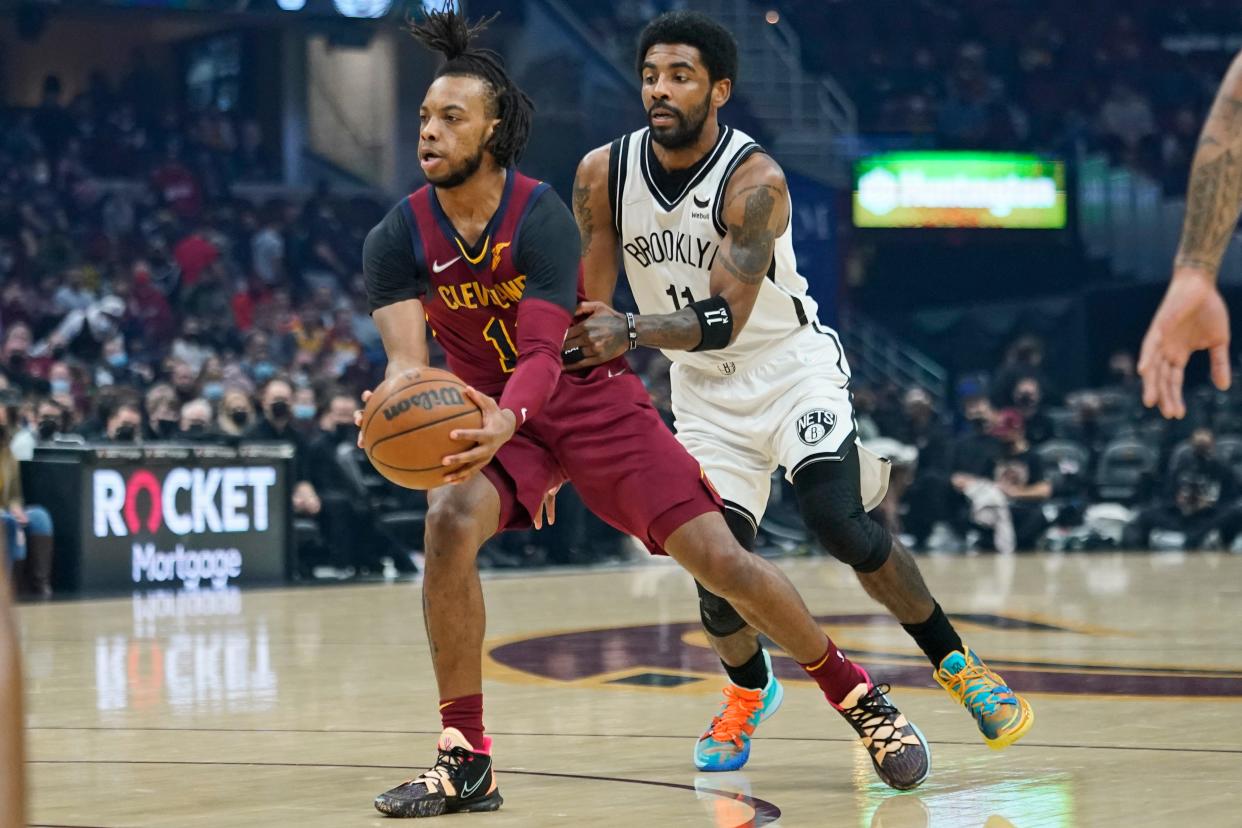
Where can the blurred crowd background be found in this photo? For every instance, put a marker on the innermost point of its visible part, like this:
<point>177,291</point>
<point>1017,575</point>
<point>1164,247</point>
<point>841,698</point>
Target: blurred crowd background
<point>160,281</point>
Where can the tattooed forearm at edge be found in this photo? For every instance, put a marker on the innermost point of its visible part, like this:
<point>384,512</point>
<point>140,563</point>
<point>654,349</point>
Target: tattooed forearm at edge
<point>582,212</point>
<point>1214,195</point>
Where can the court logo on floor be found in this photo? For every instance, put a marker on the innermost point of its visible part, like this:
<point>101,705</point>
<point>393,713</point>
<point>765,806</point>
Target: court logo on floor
<point>672,656</point>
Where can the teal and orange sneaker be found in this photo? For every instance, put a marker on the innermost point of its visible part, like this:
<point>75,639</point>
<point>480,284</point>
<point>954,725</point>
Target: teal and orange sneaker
<point>726,744</point>
<point>1002,715</point>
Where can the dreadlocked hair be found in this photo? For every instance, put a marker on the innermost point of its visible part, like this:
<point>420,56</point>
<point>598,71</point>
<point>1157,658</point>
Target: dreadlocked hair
<point>449,33</point>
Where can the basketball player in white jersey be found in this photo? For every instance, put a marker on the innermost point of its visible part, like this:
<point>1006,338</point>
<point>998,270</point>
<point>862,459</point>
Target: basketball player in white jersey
<point>700,217</point>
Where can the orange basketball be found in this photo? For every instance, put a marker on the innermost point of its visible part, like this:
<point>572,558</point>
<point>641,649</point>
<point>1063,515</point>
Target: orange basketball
<point>406,426</point>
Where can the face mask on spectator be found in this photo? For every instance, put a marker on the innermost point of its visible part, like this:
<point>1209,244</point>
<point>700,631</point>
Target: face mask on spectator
<point>47,428</point>
<point>980,422</point>
<point>118,360</point>
<point>126,433</point>
<point>213,391</point>
<point>280,410</point>
<point>165,428</point>
<point>60,386</point>
<point>304,411</point>
<point>195,431</point>
<point>264,371</point>
<point>239,416</point>
<point>1025,400</point>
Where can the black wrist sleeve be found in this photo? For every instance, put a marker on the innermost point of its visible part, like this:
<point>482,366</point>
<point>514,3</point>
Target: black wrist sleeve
<point>715,321</point>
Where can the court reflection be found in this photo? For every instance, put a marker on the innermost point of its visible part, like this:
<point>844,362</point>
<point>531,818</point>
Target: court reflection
<point>191,651</point>
<point>1047,803</point>
<point>728,801</point>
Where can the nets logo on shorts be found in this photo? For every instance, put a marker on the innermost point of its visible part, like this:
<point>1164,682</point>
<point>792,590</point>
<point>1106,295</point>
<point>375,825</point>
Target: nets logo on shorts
<point>814,426</point>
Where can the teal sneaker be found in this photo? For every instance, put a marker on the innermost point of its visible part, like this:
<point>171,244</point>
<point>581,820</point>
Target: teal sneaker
<point>726,744</point>
<point>1002,715</point>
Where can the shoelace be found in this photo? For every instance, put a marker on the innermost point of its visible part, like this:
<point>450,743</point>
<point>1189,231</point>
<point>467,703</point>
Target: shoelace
<point>447,763</point>
<point>873,712</point>
<point>981,689</point>
<point>735,718</point>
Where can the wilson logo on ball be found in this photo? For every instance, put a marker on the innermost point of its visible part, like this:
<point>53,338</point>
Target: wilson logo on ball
<point>426,400</point>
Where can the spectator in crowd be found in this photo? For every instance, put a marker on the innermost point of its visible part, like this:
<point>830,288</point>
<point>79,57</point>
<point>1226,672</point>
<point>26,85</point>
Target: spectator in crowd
<point>82,333</point>
<point>344,520</point>
<point>1199,497</point>
<point>977,451</point>
<point>53,424</point>
<point>305,410</point>
<point>1021,476</point>
<point>184,379</point>
<point>928,493</point>
<point>162,412</point>
<point>73,295</point>
<point>267,246</point>
<point>196,422</point>
<point>277,424</point>
<point>28,529</point>
<point>236,414</point>
<point>1028,400</point>
<point>15,359</point>
<point>124,425</point>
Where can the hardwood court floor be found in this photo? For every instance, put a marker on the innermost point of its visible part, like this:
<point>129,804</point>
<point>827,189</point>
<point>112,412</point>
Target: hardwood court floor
<point>295,707</point>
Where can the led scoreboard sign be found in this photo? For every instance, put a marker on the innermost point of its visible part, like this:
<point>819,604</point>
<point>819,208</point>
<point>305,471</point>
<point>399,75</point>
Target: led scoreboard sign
<point>959,189</point>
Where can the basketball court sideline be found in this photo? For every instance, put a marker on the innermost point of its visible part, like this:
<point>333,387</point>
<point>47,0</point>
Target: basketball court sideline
<point>297,706</point>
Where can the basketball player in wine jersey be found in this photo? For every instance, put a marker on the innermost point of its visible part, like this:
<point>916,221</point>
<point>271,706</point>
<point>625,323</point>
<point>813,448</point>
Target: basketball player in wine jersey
<point>489,260</point>
<point>700,217</point>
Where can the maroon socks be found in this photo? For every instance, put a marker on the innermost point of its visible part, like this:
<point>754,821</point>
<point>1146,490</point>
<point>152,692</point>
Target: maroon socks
<point>835,674</point>
<point>466,714</point>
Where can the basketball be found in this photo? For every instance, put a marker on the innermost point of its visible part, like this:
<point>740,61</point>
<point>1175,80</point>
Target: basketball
<point>407,422</point>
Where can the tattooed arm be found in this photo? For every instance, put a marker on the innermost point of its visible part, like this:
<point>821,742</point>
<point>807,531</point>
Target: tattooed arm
<point>593,212</point>
<point>1214,197</point>
<point>1193,316</point>
<point>756,211</point>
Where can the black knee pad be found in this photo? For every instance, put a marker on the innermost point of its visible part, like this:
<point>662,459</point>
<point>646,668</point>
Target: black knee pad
<point>718,615</point>
<point>830,501</point>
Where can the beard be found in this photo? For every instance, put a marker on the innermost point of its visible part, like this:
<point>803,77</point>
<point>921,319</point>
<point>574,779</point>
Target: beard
<point>688,128</point>
<point>461,173</point>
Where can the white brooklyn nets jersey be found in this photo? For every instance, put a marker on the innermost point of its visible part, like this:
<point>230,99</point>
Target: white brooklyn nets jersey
<point>669,242</point>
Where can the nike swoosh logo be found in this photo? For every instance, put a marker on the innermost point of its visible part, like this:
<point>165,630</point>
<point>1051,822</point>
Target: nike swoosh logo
<point>468,790</point>
<point>611,374</point>
<point>436,267</point>
<point>701,204</point>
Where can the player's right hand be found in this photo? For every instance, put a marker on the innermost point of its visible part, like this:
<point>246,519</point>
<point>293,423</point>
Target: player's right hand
<point>1192,317</point>
<point>499,424</point>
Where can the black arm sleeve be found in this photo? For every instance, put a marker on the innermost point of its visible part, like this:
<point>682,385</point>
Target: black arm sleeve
<point>549,252</point>
<point>388,261</point>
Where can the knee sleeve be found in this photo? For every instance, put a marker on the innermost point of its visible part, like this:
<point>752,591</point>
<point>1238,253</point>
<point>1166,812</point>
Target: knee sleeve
<point>718,615</point>
<point>830,501</point>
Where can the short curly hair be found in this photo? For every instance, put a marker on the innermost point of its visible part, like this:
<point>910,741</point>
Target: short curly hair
<point>714,42</point>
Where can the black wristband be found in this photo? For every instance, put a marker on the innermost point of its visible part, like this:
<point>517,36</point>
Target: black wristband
<point>715,322</point>
<point>631,327</point>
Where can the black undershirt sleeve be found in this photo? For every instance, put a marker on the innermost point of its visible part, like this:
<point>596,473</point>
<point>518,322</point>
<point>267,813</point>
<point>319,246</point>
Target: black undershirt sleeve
<point>549,252</point>
<point>388,262</point>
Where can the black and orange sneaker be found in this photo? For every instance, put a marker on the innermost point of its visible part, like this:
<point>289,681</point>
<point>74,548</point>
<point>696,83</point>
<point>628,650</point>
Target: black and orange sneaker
<point>461,780</point>
<point>897,748</point>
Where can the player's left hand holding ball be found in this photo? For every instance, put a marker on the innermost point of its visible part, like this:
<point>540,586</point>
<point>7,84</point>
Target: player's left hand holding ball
<point>601,337</point>
<point>498,426</point>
